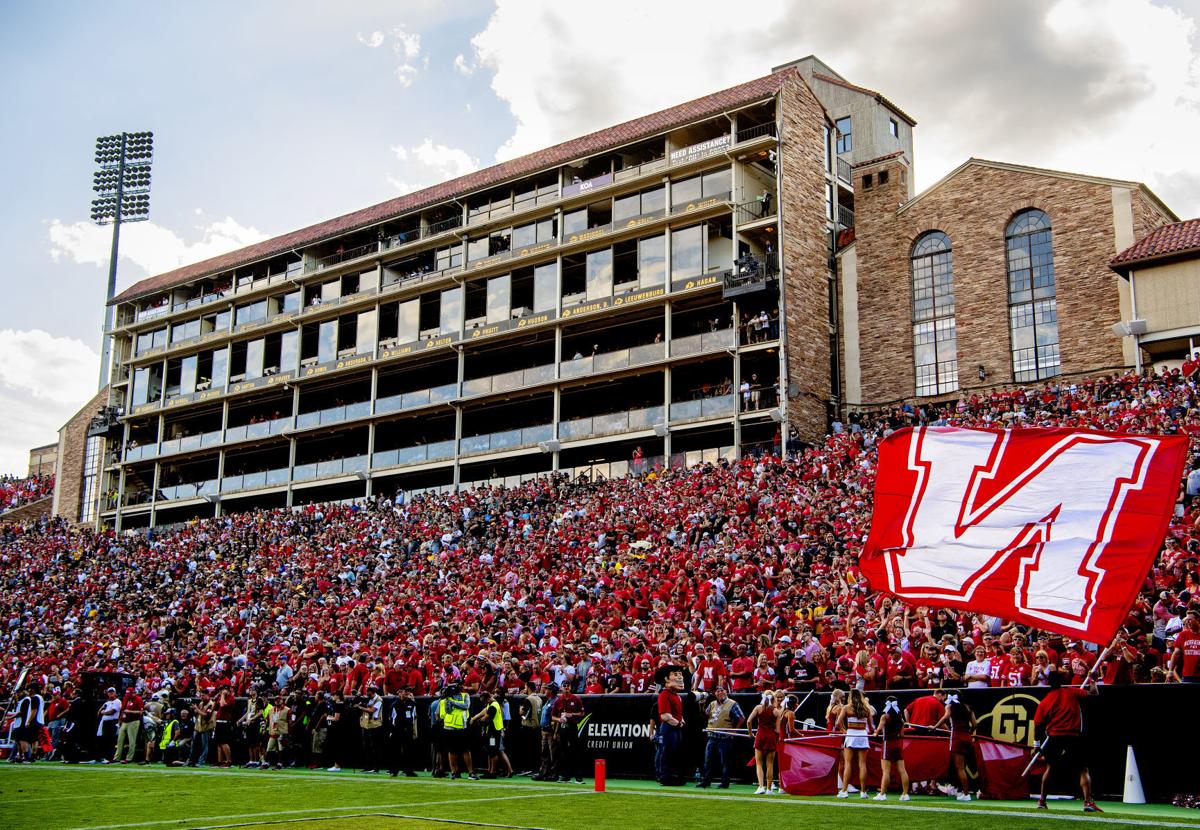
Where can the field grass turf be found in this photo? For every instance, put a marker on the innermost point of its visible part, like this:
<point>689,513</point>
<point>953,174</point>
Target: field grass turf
<point>57,797</point>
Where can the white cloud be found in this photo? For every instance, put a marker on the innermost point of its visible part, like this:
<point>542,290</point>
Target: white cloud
<point>1107,87</point>
<point>43,381</point>
<point>460,63</point>
<point>373,41</point>
<point>148,246</point>
<point>406,47</point>
<point>429,163</point>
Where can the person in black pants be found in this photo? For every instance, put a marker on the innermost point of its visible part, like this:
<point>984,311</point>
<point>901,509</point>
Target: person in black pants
<point>402,734</point>
<point>567,712</point>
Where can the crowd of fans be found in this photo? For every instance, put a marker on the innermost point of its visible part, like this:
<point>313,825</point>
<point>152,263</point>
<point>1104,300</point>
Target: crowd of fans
<point>15,492</point>
<point>745,573</point>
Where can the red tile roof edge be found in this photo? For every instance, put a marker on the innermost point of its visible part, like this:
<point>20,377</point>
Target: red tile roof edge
<point>1164,242</point>
<point>877,159</point>
<point>820,76</point>
<point>557,154</point>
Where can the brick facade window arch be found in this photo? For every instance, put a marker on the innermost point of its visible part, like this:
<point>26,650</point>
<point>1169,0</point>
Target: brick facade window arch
<point>1032,296</point>
<point>935,341</point>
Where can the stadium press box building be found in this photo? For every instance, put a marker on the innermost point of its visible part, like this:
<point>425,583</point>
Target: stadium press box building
<point>682,287</point>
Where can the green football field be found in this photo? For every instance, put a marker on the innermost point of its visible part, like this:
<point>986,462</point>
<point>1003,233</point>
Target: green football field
<point>58,797</point>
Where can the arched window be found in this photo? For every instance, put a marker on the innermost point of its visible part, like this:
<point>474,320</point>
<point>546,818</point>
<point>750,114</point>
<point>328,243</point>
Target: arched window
<point>1032,307</point>
<point>935,347</point>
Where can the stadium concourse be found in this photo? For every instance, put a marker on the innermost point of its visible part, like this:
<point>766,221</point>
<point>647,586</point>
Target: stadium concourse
<point>750,567</point>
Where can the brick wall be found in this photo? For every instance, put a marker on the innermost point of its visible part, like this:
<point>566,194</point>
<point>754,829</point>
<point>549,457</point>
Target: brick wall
<point>72,440</point>
<point>973,208</point>
<point>805,257</point>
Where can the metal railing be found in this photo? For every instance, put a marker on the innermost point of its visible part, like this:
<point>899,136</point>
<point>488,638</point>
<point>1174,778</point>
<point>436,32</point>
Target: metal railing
<point>341,256</point>
<point>438,451</point>
<point>758,131</point>
<point>845,216</point>
<point>506,440</point>
<point>610,424</point>
<point>844,171</point>
<point>755,209</point>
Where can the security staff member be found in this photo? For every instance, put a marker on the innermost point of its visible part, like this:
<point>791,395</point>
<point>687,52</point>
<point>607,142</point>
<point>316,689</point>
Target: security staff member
<point>402,734</point>
<point>454,707</point>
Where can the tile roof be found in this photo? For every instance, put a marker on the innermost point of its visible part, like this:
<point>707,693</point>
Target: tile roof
<point>1163,242</point>
<point>876,95</point>
<point>555,155</point>
<point>878,159</point>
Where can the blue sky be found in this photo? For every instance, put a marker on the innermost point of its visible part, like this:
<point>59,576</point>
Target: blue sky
<point>272,115</point>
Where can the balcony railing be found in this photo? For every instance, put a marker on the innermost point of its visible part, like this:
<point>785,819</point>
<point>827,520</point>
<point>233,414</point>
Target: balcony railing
<point>845,216</point>
<point>194,490</point>
<point>262,429</point>
<point>751,133</point>
<point>254,481</point>
<point>412,400</point>
<point>753,210</point>
<point>709,341</point>
<point>507,440</point>
<point>329,469</point>
<point>610,424</point>
<point>337,257</point>
<point>844,171</point>
<point>438,451</point>
<point>333,415</point>
<point>507,381</point>
<point>703,409</point>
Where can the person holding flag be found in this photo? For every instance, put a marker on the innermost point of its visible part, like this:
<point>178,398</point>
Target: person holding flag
<point>1059,724</point>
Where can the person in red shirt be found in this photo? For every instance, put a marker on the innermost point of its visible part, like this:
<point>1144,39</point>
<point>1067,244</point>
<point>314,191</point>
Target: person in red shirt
<point>1185,659</point>
<point>742,674</point>
<point>926,710</point>
<point>711,671</point>
<point>901,668</point>
<point>1019,671</point>
<point>1059,724</point>
<point>643,678</point>
<point>670,715</point>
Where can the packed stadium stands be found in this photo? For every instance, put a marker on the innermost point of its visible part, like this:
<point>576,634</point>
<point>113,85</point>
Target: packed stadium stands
<point>15,492</point>
<point>747,570</point>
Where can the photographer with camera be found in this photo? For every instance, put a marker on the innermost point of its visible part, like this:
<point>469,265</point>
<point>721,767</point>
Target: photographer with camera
<point>370,718</point>
<point>454,709</point>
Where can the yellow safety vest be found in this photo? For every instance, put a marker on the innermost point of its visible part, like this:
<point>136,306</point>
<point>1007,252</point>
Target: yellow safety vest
<point>169,730</point>
<point>497,718</point>
<point>453,718</point>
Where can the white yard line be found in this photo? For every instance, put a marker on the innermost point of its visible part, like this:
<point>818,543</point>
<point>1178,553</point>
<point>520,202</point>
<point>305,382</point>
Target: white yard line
<point>317,812</point>
<point>1003,812</point>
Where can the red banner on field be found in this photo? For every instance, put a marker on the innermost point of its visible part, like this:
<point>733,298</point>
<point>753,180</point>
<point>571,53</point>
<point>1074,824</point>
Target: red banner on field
<point>1054,528</point>
<point>808,765</point>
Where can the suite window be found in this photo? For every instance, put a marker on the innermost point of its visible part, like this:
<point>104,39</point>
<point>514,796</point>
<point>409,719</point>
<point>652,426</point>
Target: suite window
<point>367,333</point>
<point>545,287</point>
<point>1032,297</point>
<point>935,341</point>
<point>652,261</point>
<point>251,313</point>
<point>289,350</point>
<point>450,315</point>
<point>499,298</point>
<point>449,257</point>
<point>327,341</point>
<point>600,274</point>
<point>845,139</point>
<point>220,368</point>
<point>187,375</point>
<point>718,183</point>
<point>685,191</point>
<point>687,252</point>
<point>524,236</point>
<point>408,322</point>
<point>254,359</point>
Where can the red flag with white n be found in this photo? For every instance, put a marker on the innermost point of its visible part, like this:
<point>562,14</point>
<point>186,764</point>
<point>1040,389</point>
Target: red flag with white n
<point>1055,528</point>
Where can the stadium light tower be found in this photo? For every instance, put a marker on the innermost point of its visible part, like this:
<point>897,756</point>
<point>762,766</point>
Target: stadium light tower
<point>122,185</point>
